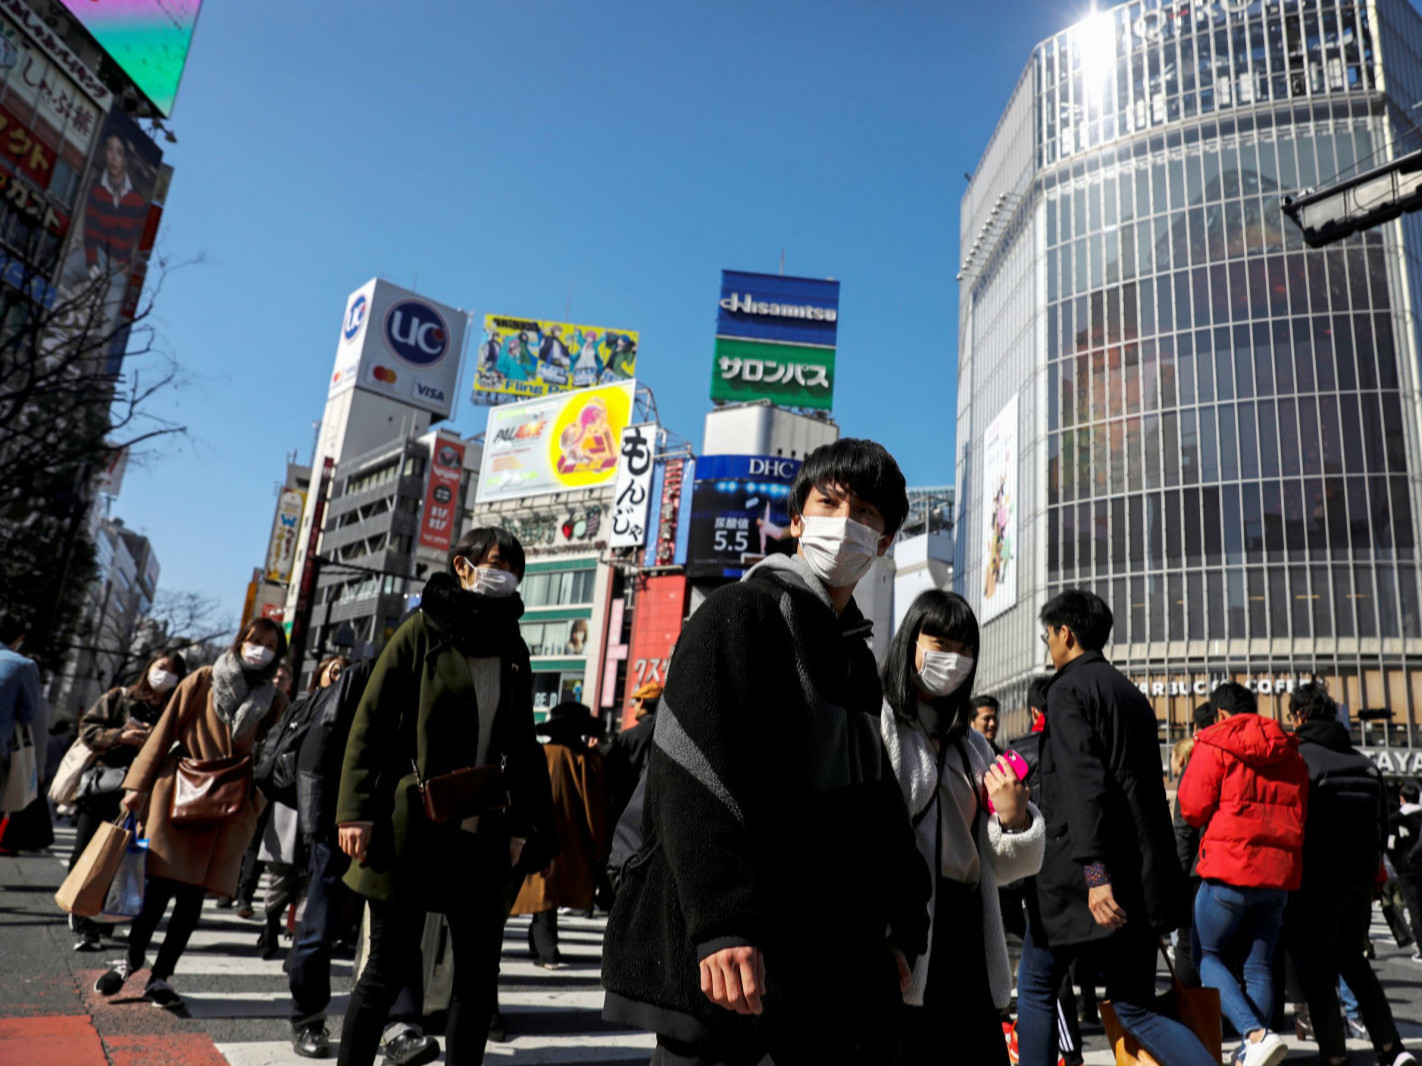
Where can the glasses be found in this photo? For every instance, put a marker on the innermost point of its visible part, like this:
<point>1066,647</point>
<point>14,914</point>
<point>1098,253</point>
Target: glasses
<point>1046,641</point>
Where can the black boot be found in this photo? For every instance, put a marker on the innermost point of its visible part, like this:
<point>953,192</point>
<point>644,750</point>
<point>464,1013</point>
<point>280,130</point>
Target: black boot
<point>270,940</point>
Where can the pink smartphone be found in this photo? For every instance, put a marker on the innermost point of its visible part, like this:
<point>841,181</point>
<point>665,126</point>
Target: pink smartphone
<point>1019,767</point>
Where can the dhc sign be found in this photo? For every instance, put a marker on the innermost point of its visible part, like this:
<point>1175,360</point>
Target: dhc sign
<point>416,333</point>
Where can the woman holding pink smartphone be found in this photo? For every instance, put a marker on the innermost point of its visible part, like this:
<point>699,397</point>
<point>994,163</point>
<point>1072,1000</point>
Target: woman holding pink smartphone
<point>974,825</point>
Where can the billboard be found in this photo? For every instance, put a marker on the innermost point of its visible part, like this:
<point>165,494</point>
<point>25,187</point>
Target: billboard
<point>559,443</point>
<point>999,521</point>
<point>633,495</point>
<point>398,344</point>
<point>739,513</point>
<point>281,553</point>
<point>43,77</point>
<point>442,495</point>
<point>148,39</point>
<point>775,340</point>
<point>527,357</point>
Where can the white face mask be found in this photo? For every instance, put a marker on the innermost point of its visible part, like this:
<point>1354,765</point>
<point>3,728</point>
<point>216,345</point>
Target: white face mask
<point>492,582</point>
<point>256,656</point>
<point>943,672</point>
<point>160,680</point>
<point>839,550</point>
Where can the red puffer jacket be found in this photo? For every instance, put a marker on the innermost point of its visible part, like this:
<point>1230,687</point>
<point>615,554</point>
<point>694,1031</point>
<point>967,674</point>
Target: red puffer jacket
<point>1247,783</point>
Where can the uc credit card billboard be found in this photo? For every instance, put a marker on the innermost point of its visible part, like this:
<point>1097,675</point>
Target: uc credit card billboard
<point>399,344</point>
<point>775,340</point>
<point>558,443</point>
<point>739,513</point>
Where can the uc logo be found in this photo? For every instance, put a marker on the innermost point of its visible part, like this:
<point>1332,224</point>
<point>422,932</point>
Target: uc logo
<point>355,317</point>
<point>416,332</point>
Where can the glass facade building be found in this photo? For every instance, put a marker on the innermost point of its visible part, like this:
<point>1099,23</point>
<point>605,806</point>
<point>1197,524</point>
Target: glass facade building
<point>1217,426</point>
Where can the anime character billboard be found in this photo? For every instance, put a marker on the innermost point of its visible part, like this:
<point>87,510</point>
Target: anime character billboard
<point>1000,512</point>
<point>527,357</point>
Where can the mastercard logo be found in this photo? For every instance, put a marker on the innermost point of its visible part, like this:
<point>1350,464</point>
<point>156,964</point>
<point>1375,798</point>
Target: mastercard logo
<point>384,374</point>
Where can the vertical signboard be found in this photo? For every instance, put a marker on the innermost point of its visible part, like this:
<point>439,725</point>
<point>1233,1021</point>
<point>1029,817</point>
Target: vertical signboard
<point>775,340</point>
<point>302,620</point>
<point>739,513</point>
<point>999,522</point>
<point>442,495</point>
<point>632,495</point>
<point>656,625</point>
<point>281,553</point>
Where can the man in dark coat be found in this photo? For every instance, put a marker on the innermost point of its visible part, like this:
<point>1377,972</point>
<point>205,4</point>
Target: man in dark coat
<point>778,893</point>
<point>627,754</point>
<point>1110,883</point>
<point>1327,919</point>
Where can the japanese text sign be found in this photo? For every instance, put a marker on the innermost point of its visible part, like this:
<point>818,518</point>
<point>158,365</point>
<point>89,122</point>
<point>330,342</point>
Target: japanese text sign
<point>632,495</point>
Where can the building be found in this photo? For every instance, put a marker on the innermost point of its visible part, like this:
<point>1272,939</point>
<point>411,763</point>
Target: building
<point>1163,394</point>
<point>923,550</point>
<point>114,651</point>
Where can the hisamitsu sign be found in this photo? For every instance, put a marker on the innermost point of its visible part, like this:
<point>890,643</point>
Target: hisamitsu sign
<point>775,340</point>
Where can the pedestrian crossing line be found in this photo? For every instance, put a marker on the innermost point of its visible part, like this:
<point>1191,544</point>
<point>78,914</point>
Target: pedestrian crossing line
<point>248,1005</point>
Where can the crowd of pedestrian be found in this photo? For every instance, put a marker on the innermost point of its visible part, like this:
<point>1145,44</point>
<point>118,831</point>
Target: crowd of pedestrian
<point>806,854</point>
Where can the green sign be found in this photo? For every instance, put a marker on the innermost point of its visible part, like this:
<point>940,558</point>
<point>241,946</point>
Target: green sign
<point>791,375</point>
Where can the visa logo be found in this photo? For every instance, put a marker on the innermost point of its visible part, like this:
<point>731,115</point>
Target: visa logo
<point>429,392</point>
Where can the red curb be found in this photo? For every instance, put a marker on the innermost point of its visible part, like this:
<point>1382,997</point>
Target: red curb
<point>56,1040</point>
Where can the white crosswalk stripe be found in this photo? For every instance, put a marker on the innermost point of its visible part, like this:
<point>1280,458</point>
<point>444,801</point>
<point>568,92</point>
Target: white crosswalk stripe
<point>551,1016</point>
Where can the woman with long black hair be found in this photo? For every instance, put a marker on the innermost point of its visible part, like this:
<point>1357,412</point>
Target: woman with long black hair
<point>442,783</point>
<point>974,827</point>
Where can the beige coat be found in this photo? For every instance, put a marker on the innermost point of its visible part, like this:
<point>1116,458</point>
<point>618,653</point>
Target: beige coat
<point>211,857</point>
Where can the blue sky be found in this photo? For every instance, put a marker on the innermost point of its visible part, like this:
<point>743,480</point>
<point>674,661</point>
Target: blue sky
<point>495,155</point>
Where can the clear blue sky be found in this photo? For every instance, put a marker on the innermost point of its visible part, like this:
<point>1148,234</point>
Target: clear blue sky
<point>495,154</point>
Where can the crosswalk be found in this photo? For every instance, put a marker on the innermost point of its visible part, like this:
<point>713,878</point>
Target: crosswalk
<point>242,1001</point>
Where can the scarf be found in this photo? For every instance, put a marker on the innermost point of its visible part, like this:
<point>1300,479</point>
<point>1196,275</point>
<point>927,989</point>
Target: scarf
<point>236,701</point>
<point>477,626</point>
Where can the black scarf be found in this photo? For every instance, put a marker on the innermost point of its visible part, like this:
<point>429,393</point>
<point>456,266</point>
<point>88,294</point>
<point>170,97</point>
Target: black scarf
<point>476,626</point>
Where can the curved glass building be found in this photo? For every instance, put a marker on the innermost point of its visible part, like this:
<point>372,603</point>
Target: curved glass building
<point>1216,428</point>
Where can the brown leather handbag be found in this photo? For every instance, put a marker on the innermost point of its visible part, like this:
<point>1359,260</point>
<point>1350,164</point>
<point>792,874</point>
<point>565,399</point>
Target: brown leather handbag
<point>206,791</point>
<point>462,793</point>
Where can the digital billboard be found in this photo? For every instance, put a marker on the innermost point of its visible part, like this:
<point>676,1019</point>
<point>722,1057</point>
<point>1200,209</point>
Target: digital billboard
<point>396,343</point>
<point>739,513</point>
<point>1000,512</point>
<point>775,340</point>
<point>527,357</point>
<point>148,39</point>
<point>555,444</point>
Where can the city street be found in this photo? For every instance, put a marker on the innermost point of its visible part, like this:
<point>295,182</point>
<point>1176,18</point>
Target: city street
<point>237,1004</point>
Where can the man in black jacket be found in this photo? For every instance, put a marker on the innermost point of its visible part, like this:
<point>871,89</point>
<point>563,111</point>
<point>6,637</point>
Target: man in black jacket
<point>1109,883</point>
<point>627,753</point>
<point>1327,920</point>
<point>777,848</point>
<point>1405,847</point>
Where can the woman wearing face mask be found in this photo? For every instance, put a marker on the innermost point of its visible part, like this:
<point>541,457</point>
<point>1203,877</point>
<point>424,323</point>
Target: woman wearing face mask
<point>451,692</point>
<point>114,729</point>
<point>949,774</point>
<point>217,713</point>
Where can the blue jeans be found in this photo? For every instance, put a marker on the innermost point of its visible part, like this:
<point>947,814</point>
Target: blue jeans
<point>1126,962</point>
<point>310,964</point>
<point>1240,922</point>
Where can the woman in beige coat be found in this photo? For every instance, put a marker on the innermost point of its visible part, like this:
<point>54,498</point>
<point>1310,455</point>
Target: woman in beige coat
<point>217,712</point>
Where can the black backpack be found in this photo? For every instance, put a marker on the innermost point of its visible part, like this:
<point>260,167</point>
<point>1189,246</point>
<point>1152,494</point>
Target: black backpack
<point>1343,840</point>
<point>274,770</point>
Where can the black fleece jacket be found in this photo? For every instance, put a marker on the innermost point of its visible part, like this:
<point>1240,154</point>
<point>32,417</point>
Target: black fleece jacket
<point>772,818</point>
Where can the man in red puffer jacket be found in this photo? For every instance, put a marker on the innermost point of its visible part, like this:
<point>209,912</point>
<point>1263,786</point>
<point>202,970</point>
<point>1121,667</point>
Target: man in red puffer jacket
<point>1247,786</point>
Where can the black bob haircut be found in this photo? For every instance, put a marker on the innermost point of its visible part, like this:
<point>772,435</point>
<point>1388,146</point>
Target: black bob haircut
<point>480,539</point>
<point>937,614</point>
<point>1084,613</point>
<point>863,467</point>
<point>1037,693</point>
<point>1233,697</point>
<point>1310,702</point>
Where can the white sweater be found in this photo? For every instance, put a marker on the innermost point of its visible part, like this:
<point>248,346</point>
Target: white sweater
<point>1004,857</point>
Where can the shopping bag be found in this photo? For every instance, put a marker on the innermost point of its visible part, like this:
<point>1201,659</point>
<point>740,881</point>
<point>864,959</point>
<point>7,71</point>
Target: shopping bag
<point>1198,1009</point>
<point>87,886</point>
<point>65,786</point>
<point>125,896</point>
<point>22,777</point>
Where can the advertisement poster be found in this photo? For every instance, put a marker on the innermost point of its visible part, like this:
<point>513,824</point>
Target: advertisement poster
<point>739,513</point>
<point>442,495</point>
<point>1000,512</point>
<point>148,39</point>
<point>775,340</point>
<point>555,444</point>
<point>45,79</point>
<point>399,344</point>
<point>527,357</point>
<point>281,556</point>
<point>633,495</point>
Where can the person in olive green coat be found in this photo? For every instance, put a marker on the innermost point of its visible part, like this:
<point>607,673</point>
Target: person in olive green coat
<point>451,690</point>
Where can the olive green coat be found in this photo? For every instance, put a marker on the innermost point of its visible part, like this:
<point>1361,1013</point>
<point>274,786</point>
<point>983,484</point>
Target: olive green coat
<point>419,704</point>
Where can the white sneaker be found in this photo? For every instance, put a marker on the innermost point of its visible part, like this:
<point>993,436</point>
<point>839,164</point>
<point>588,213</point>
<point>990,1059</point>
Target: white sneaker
<point>1270,1050</point>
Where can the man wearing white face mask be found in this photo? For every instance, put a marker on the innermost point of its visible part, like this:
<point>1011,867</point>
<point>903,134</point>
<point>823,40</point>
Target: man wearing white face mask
<point>778,855</point>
